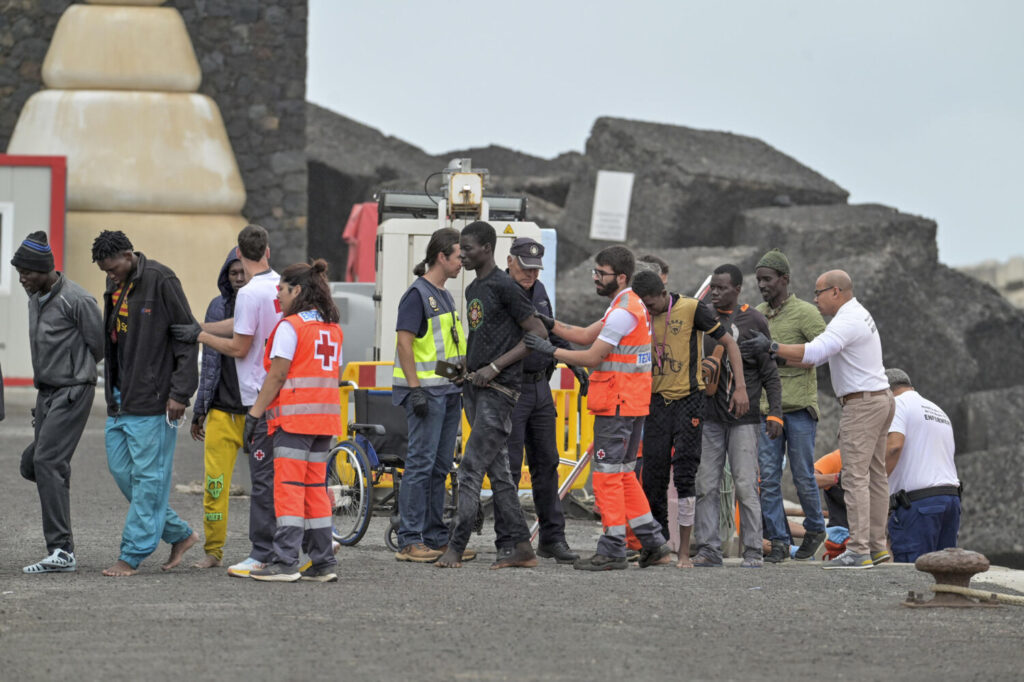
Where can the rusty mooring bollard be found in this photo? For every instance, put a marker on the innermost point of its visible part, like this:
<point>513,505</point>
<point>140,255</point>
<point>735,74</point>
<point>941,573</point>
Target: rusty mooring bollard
<point>952,568</point>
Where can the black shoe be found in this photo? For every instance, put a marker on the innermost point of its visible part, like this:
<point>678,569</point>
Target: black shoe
<point>632,555</point>
<point>504,553</point>
<point>779,553</point>
<point>276,572</point>
<point>654,557</point>
<point>319,575</point>
<point>810,545</point>
<point>559,551</point>
<point>600,562</point>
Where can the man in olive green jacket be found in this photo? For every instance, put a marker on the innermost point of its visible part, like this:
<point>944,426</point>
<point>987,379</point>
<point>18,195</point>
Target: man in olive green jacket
<point>790,320</point>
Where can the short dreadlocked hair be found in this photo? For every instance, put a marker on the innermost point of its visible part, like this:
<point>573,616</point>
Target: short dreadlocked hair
<point>109,244</point>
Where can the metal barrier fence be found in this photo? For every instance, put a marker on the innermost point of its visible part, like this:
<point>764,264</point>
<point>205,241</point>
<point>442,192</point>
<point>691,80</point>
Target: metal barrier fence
<point>575,423</point>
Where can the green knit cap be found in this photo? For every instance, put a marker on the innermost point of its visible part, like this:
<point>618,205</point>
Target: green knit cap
<point>776,260</point>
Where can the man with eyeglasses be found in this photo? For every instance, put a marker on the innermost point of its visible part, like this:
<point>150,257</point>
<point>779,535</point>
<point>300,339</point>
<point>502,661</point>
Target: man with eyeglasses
<point>790,320</point>
<point>853,349</point>
<point>619,348</point>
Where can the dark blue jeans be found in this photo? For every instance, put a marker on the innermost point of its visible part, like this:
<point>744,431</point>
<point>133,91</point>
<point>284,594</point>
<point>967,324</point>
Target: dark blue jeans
<point>490,417</point>
<point>427,463</point>
<point>533,427</point>
<point>797,440</point>
<point>929,525</point>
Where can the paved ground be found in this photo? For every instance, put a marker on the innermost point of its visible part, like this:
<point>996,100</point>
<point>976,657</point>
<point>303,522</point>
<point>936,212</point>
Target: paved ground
<point>390,620</point>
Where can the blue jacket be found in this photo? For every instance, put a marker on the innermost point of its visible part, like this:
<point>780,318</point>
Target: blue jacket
<point>221,308</point>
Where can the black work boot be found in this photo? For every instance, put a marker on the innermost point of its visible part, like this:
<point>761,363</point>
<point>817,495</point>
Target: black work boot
<point>779,553</point>
<point>655,556</point>
<point>559,551</point>
<point>810,545</point>
<point>600,562</point>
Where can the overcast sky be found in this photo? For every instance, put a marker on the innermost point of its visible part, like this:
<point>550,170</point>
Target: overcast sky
<point>914,104</point>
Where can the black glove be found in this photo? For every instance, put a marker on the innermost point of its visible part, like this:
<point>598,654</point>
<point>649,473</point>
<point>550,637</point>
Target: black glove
<point>548,322</point>
<point>755,345</point>
<point>186,333</point>
<point>582,377</point>
<point>249,433</point>
<point>538,345</point>
<point>418,401</point>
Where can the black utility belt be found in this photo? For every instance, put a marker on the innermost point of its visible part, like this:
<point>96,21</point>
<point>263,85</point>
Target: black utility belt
<point>534,377</point>
<point>902,498</point>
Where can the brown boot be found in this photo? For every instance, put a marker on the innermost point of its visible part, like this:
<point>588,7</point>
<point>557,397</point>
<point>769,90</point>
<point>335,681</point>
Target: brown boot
<point>418,553</point>
<point>522,556</point>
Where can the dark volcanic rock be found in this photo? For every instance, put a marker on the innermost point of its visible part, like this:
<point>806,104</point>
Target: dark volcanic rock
<point>350,162</point>
<point>993,419</point>
<point>944,328</point>
<point>689,185</point>
<point>992,520</point>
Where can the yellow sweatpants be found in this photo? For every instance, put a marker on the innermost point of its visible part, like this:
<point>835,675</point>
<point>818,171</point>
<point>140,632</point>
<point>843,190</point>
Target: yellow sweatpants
<point>223,440</point>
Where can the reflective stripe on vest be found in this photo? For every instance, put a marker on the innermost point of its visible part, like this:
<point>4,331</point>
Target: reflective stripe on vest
<point>309,401</point>
<point>621,384</point>
<point>439,342</point>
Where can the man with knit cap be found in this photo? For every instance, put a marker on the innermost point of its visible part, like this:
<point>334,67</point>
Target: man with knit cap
<point>791,321</point>
<point>66,337</point>
<point>852,347</point>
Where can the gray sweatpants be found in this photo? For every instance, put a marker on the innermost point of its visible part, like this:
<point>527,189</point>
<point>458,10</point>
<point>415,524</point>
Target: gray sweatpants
<point>739,444</point>
<point>60,417</point>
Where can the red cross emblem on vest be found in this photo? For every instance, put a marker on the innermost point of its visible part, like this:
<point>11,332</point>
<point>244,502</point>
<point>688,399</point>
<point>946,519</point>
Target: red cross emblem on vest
<point>325,350</point>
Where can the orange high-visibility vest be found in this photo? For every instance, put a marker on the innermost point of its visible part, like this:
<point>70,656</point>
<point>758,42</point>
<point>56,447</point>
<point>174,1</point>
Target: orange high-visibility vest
<point>623,379</point>
<point>309,401</point>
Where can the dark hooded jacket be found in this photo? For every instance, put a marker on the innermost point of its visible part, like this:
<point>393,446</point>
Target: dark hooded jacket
<point>218,380</point>
<point>156,367</point>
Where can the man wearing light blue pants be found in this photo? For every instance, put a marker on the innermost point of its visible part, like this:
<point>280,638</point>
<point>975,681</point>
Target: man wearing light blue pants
<point>149,380</point>
<point>140,455</point>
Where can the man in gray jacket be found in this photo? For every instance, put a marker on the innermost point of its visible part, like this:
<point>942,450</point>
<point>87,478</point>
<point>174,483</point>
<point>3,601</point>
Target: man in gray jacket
<point>66,335</point>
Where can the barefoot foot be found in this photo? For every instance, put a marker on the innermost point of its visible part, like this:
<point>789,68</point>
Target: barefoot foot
<point>119,570</point>
<point>178,550</point>
<point>684,562</point>
<point>208,561</point>
<point>450,559</point>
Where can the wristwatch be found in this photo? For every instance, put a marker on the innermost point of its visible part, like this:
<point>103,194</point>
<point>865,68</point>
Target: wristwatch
<point>773,348</point>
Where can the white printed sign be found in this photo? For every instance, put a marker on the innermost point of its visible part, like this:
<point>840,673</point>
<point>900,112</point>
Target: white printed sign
<point>610,215</point>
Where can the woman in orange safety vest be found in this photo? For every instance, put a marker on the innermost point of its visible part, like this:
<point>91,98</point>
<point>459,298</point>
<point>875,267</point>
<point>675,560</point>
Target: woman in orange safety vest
<point>300,396</point>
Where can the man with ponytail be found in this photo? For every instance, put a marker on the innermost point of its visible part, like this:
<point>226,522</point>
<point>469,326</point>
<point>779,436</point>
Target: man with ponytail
<point>429,330</point>
<point>301,404</point>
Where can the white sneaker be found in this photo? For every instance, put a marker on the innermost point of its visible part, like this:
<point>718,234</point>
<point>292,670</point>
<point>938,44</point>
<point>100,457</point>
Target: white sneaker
<point>58,562</point>
<point>242,568</point>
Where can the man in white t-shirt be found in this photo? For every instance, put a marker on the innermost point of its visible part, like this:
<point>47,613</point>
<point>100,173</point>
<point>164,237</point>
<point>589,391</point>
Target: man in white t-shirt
<point>853,349</point>
<point>257,312</point>
<point>923,484</point>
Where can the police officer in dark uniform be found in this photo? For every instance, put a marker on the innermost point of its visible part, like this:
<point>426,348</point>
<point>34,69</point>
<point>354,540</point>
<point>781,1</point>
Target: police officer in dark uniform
<point>533,419</point>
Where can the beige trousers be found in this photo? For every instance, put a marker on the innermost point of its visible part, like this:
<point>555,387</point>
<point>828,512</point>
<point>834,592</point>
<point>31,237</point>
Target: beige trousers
<point>862,431</point>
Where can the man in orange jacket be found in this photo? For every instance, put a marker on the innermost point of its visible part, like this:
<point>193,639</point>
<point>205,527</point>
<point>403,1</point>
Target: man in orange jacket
<point>619,397</point>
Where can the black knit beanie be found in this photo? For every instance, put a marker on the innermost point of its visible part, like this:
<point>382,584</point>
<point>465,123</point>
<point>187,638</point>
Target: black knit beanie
<point>34,254</point>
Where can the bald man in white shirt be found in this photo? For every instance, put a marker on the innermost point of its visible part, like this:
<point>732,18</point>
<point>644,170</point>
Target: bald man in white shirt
<point>851,346</point>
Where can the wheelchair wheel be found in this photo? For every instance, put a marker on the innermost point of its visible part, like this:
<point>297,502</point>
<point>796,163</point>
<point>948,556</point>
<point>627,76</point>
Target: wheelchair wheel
<point>351,481</point>
<point>391,537</point>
